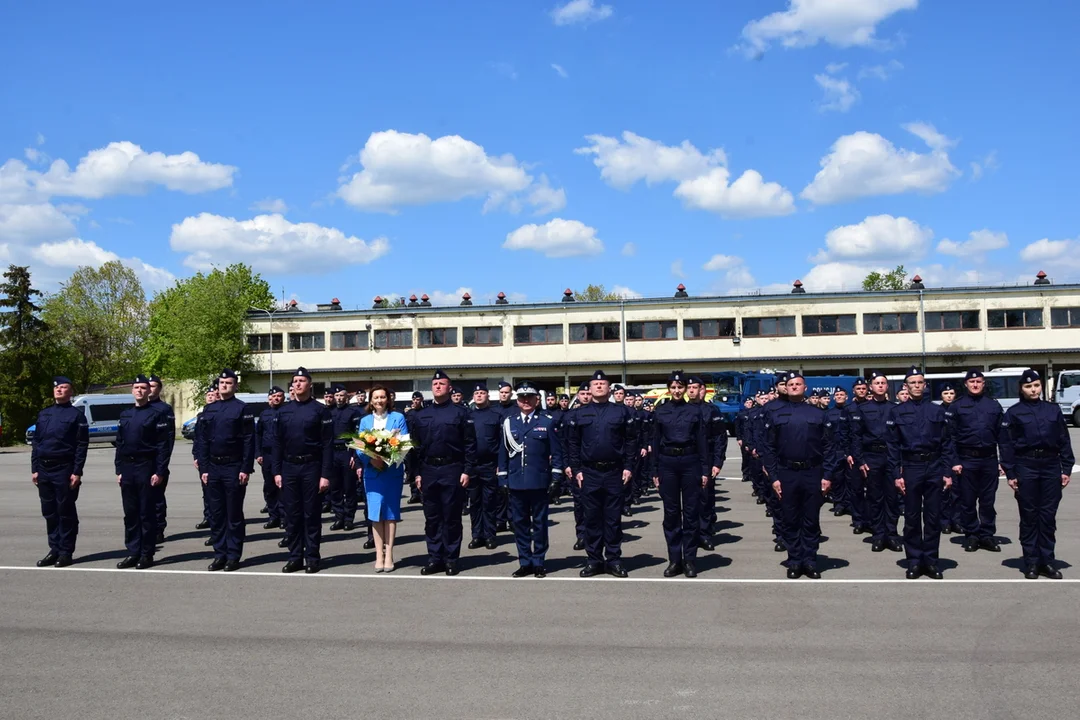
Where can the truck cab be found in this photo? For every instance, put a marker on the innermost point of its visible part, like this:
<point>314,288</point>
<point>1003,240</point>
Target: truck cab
<point>1067,395</point>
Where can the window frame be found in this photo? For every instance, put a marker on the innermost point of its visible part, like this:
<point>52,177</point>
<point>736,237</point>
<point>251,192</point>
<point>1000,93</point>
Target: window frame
<point>960,313</point>
<point>1072,313</point>
<point>548,328</point>
<point>603,327</point>
<point>674,324</point>
<point>776,319</point>
<point>385,332</point>
<point>719,327</point>
<point>899,323</point>
<point>316,333</point>
<point>478,328</point>
<point>1005,319</point>
<point>446,331</point>
<point>280,347</point>
<point>363,344</point>
<point>837,318</point>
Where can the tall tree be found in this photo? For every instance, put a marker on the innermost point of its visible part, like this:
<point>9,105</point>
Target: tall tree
<point>595,293</point>
<point>99,319</point>
<point>892,280</point>
<point>200,325</point>
<point>26,355</point>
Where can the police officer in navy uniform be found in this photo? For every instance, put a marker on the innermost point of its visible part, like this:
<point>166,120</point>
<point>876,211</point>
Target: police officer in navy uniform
<point>681,463</point>
<point>264,452</point>
<point>950,497</point>
<point>343,480</point>
<point>529,457</point>
<point>583,398</point>
<point>57,456</point>
<point>506,406</point>
<point>417,404</point>
<point>483,489</point>
<point>740,439</point>
<point>837,416</point>
<point>555,491</point>
<point>854,493</point>
<point>444,456</point>
<point>210,397</point>
<point>1037,457</point>
<point>869,450</point>
<point>975,424</point>
<point>226,453</point>
<point>161,507</point>
<point>920,446</point>
<point>602,439</point>
<point>716,439</point>
<point>778,400</point>
<point>141,460</point>
<point>302,462</point>
<point>798,453</point>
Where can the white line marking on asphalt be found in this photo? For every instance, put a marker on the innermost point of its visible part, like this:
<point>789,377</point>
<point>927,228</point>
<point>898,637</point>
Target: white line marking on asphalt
<point>551,578</point>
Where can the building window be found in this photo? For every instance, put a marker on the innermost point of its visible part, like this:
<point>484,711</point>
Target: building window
<point>890,323</point>
<point>697,329</point>
<point>349,340</point>
<point>1064,317</point>
<point>652,330</point>
<point>537,334</point>
<point>594,332</point>
<point>307,341</point>
<point>262,343</point>
<point>952,320</point>
<point>1002,319</point>
<point>828,325</point>
<point>482,335</point>
<point>769,326</point>
<point>390,339</point>
<point>437,337</point>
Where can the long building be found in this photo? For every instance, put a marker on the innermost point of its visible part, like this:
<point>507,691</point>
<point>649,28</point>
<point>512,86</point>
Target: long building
<point>641,340</point>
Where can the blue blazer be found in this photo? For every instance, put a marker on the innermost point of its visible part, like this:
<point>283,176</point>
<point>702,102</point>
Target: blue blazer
<point>394,421</point>
<point>539,460</point>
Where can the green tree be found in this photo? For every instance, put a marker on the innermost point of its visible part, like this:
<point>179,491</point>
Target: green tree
<point>99,320</point>
<point>390,301</point>
<point>200,325</point>
<point>26,360</point>
<point>596,293</point>
<point>892,280</point>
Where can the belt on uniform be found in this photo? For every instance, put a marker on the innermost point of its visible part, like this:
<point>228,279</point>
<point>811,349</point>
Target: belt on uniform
<point>678,451</point>
<point>1037,453</point>
<point>55,462</point>
<point>137,458</point>
<point>297,459</point>
<point>920,457</point>
<point>603,465</point>
<point>875,447</point>
<point>438,461</point>
<point>800,464</point>
<point>341,446</point>
<point>977,452</point>
<point>225,459</point>
<point>486,462</point>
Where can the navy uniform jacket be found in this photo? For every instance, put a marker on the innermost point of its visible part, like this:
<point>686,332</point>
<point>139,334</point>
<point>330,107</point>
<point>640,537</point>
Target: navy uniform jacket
<point>265,434</point>
<point>1035,426</point>
<point>796,432</point>
<point>143,433</point>
<point>346,422</point>
<point>740,425</point>
<point>195,438</point>
<point>837,416</point>
<point>487,427</point>
<point>228,430</point>
<point>62,433</point>
<point>304,428</point>
<point>867,428</point>
<point>530,455</point>
<point>975,423</point>
<point>602,433</point>
<point>166,411</point>
<point>715,433</point>
<point>755,421</point>
<point>680,426</point>
<point>918,426</point>
<point>507,409</point>
<point>443,432</point>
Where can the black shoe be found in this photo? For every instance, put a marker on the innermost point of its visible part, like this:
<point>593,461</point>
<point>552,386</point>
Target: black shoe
<point>858,530</point>
<point>451,569</point>
<point>208,542</point>
<point>202,525</point>
<point>768,513</point>
<point>540,571</point>
<point>218,564</point>
<point>707,544</point>
<point>841,511</point>
<point>326,507</point>
<point>129,562</point>
<point>947,530</point>
<point>932,572</point>
<point>1045,570</point>
<point>265,510</point>
<point>145,563</point>
<point>464,510</point>
<point>49,560</point>
<point>990,544</point>
<point>523,571</point>
<point>689,570</point>
<point>490,544</point>
<point>591,570</point>
<point>283,543</point>
<point>337,525</point>
<point>160,539</point>
<point>293,566</point>
<point>913,574</point>
<point>272,524</point>
<point>369,544</point>
<point>894,545</point>
<point>414,500</point>
<point>231,565</point>
<point>877,546</point>
<point>811,572</point>
<point>673,570</point>
<point>64,561</point>
<point>779,547</point>
<point>760,500</point>
<point>432,568</point>
<point>627,511</point>
<point>971,544</point>
<point>615,569</point>
<point>1031,573</point>
<point>501,527</point>
<point>474,544</point>
<point>349,526</point>
<point>794,573</point>
<point>579,545</point>
<point>312,567</point>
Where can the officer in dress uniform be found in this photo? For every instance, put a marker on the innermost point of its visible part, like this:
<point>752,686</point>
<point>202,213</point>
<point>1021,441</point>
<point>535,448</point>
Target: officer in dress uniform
<point>837,416</point>
<point>681,463</point>
<point>226,453</point>
<point>716,439</point>
<point>483,491</point>
<point>603,443</point>
<point>161,507</point>
<point>302,462</point>
<point>211,397</point>
<point>1037,457</point>
<point>869,450</point>
<point>975,424</point>
<point>343,479</point>
<point>445,453</point>
<point>57,456</point>
<point>920,446</point>
<point>264,452</point>
<point>141,461</point>
<point>529,457</point>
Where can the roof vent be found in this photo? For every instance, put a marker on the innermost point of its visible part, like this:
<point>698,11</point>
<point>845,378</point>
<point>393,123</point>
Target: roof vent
<point>797,288</point>
<point>680,292</point>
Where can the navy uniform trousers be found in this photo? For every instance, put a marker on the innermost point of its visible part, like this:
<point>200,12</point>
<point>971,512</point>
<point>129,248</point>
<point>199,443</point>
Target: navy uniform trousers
<point>205,498</point>
<point>161,506</point>
<point>226,494</point>
<point>483,492</point>
<point>854,496</point>
<point>301,505</point>
<point>443,499</point>
<point>680,492</point>
<point>922,512</point>
<point>139,498</point>
<point>58,505</point>
<point>601,503</point>
<point>975,489</point>
<point>529,520</point>
<point>343,483</point>
<point>707,505</point>
<point>271,493</point>
<point>800,508</point>
<point>579,509</point>
<point>1038,493</point>
<point>772,504</point>
<point>882,498</point>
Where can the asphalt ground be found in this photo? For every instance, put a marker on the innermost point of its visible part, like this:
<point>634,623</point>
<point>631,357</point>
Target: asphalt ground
<point>740,641</point>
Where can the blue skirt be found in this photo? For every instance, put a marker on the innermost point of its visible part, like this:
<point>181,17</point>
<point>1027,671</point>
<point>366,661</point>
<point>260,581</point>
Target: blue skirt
<point>383,490</point>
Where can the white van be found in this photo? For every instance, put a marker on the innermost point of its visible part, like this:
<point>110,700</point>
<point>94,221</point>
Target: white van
<point>102,414</point>
<point>1067,395</point>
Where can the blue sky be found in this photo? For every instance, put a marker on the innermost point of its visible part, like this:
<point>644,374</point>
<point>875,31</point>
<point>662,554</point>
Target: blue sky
<point>356,149</point>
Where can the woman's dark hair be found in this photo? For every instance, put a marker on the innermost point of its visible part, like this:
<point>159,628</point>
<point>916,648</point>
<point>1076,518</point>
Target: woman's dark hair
<point>371,395</point>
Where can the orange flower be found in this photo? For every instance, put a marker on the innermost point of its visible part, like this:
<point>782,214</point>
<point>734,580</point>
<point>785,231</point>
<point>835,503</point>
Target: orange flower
<point>394,442</point>
<point>370,439</point>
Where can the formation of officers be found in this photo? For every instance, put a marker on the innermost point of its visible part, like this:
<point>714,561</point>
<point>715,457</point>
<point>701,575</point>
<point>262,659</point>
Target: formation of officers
<point>871,457</point>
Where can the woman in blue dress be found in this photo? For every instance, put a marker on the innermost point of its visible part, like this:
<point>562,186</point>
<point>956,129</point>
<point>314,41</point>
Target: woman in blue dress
<point>382,483</point>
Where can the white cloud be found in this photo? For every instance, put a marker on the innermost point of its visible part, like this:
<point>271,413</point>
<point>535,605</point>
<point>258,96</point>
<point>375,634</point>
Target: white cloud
<point>544,198</point>
<point>40,139</point>
<point>626,293</point>
<point>840,23</point>
<point>979,243</point>
<point>412,169</point>
<point>73,210</point>
<point>120,168</point>
<point>580,12</point>
<point>985,165</point>
<point>840,94</point>
<point>876,238</point>
<point>559,69</point>
<point>834,68</point>
<point>722,262</point>
<point>677,269</point>
<point>75,253</point>
<point>27,224</point>
<point>439,297</point>
<point>270,243</point>
<point>864,164</point>
<point>880,72</point>
<point>270,205</point>
<point>1057,254</point>
<point>624,162</point>
<point>748,196</point>
<point>556,238</point>
<point>629,249</point>
<point>737,277</point>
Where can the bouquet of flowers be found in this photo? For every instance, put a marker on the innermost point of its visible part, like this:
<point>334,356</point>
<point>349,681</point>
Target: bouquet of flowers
<point>390,446</point>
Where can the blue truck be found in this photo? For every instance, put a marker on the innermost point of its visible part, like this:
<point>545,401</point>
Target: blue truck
<point>732,389</point>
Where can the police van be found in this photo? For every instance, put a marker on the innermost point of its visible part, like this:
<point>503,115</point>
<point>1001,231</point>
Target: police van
<point>1067,395</point>
<point>102,415</point>
<point>257,402</point>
